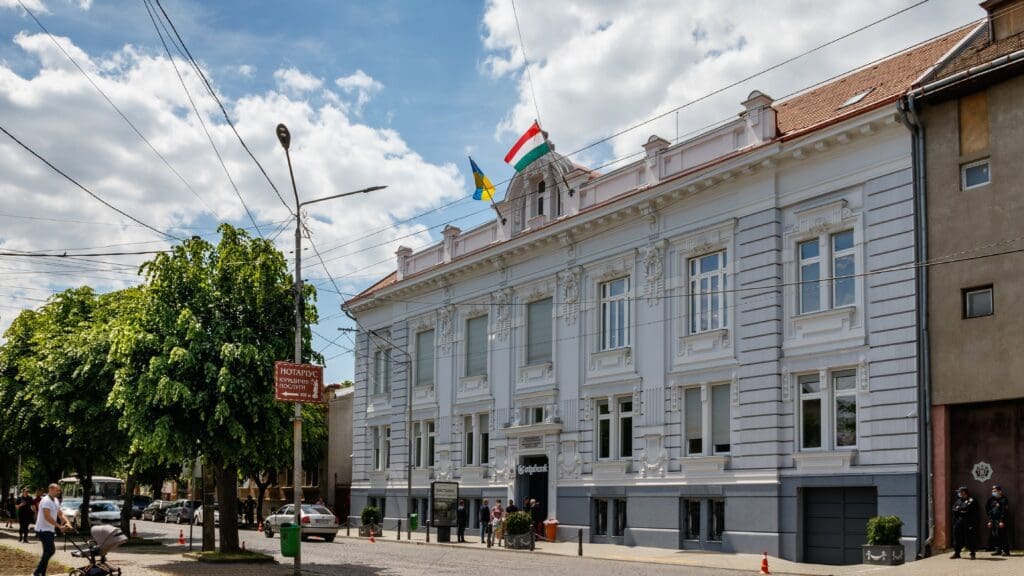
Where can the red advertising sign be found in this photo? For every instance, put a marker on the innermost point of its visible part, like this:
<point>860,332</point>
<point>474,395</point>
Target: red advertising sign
<point>299,383</point>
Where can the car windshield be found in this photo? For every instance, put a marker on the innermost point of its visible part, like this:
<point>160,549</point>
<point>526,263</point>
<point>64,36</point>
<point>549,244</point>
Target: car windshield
<point>310,509</point>
<point>103,507</point>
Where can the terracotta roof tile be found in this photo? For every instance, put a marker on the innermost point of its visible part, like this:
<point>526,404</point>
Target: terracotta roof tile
<point>979,51</point>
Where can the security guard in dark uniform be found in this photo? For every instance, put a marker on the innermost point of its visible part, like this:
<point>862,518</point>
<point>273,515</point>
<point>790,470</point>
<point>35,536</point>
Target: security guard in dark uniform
<point>965,522</point>
<point>998,510</point>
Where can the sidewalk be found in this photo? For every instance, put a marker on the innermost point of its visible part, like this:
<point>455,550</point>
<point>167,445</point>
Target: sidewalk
<point>937,565</point>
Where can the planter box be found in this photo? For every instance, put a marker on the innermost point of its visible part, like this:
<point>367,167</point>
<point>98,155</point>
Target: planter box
<point>892,555</point>
<point>364,531</point>
<point>517,541</point>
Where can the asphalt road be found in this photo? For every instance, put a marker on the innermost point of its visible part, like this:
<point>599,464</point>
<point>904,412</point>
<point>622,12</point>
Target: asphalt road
<point>387,557</point>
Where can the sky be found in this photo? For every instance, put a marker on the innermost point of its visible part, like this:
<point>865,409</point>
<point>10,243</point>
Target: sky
<point>379,92</point>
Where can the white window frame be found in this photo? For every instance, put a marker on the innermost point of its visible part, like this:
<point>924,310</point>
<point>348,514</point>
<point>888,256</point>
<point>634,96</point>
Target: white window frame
<point>431,444</point>
<point>965,167</point>
<point>838,394</point>
<point>850,252</point>
<point>417,381</point>
<point>375,443</point>
<point>424,443</point>
<point>978,290</point>
<point>381,446</point>
<point>615,417</point>
<point>382,370</point>
<point>620,416</point>
<point>619,305</point>
<point>828,396</point>
<point>826,261</point>
<point>526,322</point>
<point>697,294</point>
<point>468,353</point>
<point>819,395</point>
<point>701,394</point>
<point>417,443</point>
<point>809,261</point>
<point>705,397</point>
<point>475,450</point>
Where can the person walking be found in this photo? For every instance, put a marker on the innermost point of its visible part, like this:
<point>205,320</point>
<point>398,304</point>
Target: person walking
<point>48,520</point>
<point>461,520</point>
<point>497,517</point>
<point>998,511</point>
<point>24,508</point>
<point>250,511</point>
<point>512,508</point>
<point>484,517</point>
<point>538,517</point>
<point>965,520</point>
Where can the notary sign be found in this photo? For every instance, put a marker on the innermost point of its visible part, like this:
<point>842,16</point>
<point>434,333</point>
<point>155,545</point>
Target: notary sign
<point>299,383</point>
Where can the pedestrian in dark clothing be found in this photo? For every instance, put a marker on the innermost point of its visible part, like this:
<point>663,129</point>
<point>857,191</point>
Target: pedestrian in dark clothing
<point>25,514</point>
<point>250,511</point>
<point>998,510</point>
<point>10,509</point>
<point>538,517</point>
<point>484,516</point>
<point>461,520</point>
<point>511,507</point>
<point>965,522</point>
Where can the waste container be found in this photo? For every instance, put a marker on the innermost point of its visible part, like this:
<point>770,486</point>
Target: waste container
<point>414,521</point>
<point>290,538</point>
<point>551,529</point>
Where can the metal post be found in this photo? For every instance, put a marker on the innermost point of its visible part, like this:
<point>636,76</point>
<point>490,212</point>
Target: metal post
<point>428,531</point>
<point>579,537</point>
<point>348,527</point>
<point>398,535</point>
<point>408,440</point>
<point>533,538</point>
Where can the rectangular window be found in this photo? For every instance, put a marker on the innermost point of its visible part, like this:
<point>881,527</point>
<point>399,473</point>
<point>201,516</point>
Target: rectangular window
<point>387,446</point>
<point>708,285</point>
<point>975,174</point>
<point>694,424</point>
<point>431,438</point>
<point>604,430</point>
<point>691,509</point>
<point>844,388</point>
<point>600,517</point>
<point>468,454</point>
<point>615,314</point>
<point>483,426</point>
<point>978,302</point>
<point>538,332</point>
<point>381,371</point>
<point>476,346</point>
<point>844,269</point>
<point>417,441</point>
<point>378,462</point>
<point>620,517</point>
<point>425,358</point>
<point>810,276</point>
<point>716,526</point>
<point>721,402</point>
<point>625,429</point>
<point>810,411</point>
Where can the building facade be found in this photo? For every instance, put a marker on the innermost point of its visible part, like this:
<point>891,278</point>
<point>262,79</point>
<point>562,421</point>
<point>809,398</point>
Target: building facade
<point>711,348</point>
<point>972,142</point>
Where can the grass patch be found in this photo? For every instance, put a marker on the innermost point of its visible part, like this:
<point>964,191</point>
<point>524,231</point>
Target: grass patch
<point>14,562</point>
<point>240,557</point>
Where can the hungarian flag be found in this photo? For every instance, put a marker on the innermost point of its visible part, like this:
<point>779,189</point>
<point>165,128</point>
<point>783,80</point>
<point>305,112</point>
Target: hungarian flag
<point>531,146</point>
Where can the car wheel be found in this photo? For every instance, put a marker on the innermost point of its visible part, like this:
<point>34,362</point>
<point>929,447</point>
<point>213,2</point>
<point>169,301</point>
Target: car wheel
<point>328,538</point>
<point>268,531</point>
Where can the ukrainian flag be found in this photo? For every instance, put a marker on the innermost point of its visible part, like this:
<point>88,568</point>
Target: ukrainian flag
<point>484,188</point>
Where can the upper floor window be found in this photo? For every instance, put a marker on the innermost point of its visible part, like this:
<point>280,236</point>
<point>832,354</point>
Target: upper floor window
<point>424,437</point>
<point>476,346</point>
<point>975,174</point>
<point>615,314</point>
<point>708,283</point>
<point>821,427</point>
<point>699,419</point>
<point>540,197</point>
<point>476,439</point>
<point>425,358</point>
<point>538,332</point>
<point>978,302</point>
<point>840,259</point>
<point>381,371</point>
<point>381,447</point>
<point>615,428</point>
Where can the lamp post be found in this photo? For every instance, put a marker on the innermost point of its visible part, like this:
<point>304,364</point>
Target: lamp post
<point>285,138</point>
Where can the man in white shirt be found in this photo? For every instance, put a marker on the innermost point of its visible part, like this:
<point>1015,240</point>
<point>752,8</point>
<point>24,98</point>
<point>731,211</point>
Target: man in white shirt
<point>48,518</point>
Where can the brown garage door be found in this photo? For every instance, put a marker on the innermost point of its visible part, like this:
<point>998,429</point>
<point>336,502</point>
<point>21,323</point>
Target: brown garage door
<point>835,522</point>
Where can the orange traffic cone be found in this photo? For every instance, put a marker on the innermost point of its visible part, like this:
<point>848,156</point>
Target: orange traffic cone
<point>372,541</point>
<point>181,537</point>
<point>135,530</point>
<point>260,527</point>
<point>764,564</point>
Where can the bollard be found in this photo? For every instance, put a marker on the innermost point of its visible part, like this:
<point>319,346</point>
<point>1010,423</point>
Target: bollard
<point>348,527</point>
<point>427,523</point>
<point>533,538</point>
<point>398,534</point>
<point>579,537</point>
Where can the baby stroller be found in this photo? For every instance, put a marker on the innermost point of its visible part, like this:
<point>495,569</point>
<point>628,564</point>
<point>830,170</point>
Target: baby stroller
<point>104,539</point>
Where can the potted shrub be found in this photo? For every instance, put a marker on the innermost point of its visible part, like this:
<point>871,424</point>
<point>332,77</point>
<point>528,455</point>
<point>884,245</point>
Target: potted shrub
<point>884,547</point>
<point>518,527</point>
<point>371,522</point>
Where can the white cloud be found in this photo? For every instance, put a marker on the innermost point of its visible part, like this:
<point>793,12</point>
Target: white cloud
<point>84,4</point>
<point>36,6</point>
<point>246,70</point>
<point>362,85</point>
<point>56,111</point>
<point>599,67</point>
<point>296,81</point>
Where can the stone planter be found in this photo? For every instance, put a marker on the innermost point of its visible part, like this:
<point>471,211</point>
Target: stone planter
<point>879,555</point>
<point>517,541</point>
<point>364,531</point>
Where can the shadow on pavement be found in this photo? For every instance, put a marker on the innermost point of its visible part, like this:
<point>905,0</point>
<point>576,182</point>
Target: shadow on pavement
<point>190,568</point>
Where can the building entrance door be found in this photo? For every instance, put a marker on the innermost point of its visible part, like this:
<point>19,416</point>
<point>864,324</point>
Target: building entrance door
<point>532,480</point>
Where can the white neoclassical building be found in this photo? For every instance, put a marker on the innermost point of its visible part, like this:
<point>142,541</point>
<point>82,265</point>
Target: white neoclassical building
<point>713,347</point>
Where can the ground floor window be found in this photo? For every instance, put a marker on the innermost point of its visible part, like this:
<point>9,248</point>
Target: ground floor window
<point>620,517</point>
<point>691,519</point>
<point>702,522</point>
<point>600,517</point>
<point>610,517</point>
<point>717,520</point>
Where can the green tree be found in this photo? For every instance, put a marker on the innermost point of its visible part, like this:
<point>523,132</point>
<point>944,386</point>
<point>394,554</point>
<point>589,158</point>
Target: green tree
<point>198,358</point>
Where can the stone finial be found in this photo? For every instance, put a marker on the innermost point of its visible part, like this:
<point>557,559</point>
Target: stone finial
<point>403,254</point>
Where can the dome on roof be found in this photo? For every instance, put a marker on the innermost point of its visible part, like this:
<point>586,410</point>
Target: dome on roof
<point>538,190</point>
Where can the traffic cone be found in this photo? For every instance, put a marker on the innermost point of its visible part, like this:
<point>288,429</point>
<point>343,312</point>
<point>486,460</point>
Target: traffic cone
<point>764,564</point>
<point>260,527</point>
<point>372,540</point>
<point>181,537</point>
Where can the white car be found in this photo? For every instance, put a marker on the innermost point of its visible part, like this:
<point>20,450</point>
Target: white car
<point>70,506</point>
<point>316,521</point>
<point>99,513</point>
<point>198,516</point>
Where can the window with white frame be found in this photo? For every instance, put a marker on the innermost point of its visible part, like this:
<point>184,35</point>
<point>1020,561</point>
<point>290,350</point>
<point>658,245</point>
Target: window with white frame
<point>708,285</point>
<point>538,332</point>
<point>381,439</point>
<point>476,346</point>
<point>424,436</point>
<point>425,358</point>
<point>417,444</point>
<point>431,443</point>
<point>533,415</point>
<point>476,439</point>
<point>701,419</point>
<point>978,302</point>
<point>615,313</point>
<point>615,428</point>
<point>975,174</point>
<point>835,255</point>
<point>382,371</point>
<point>828,429</point>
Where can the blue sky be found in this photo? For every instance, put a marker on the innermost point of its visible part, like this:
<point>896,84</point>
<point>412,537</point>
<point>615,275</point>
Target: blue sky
<point>384,92</point>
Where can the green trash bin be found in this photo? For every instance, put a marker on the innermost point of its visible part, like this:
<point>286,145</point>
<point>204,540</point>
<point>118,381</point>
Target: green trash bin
<point>290,538</point>
<point>414,521</point>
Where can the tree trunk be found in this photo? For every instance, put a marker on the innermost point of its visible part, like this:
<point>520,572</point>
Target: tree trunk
<point>126,506</point>
<point>209,526</point>
<point>262,486</point>
<point>227,489</point>
<point>86,482</point>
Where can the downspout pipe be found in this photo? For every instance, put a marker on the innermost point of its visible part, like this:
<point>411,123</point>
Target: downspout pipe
<point>926,496</point>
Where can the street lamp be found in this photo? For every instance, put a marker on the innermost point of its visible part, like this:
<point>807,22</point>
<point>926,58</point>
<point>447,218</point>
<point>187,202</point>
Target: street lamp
<point>285,138</point>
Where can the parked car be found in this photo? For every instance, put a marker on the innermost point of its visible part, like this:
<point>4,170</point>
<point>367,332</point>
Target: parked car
<point>156,510</point>
<point>198,516</point>
<point>99,513</point>
<point>139,503</point>
<point>181,511</point>
<point>316,521</point>
<point>70,506</point>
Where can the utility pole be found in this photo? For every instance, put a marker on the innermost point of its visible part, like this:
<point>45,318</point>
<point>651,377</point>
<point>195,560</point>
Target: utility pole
<point>285,138</point>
